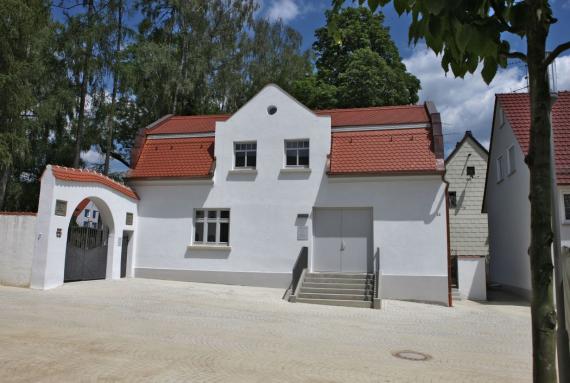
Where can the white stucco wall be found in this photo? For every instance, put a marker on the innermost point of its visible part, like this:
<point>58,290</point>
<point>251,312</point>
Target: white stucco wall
<point>471,275</point>
<point>49,251</point>
<point>508,210</point>
<point>16,249</point>
<point>409,212</point>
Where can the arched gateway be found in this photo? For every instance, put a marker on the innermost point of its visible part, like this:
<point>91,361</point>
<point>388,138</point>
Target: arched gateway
<point>64,249</point>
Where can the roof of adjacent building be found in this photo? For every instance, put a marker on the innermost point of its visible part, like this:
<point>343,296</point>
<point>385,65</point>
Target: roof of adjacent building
<point>409,149</point>
<point>467,136</point>
<point>516,107</point>
<point>84,175</point>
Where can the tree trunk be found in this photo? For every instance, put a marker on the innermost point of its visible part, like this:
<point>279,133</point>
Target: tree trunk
<point>4,176</point>
<point>110,119</point>
<point>542,306</point>
<point>84,88</point>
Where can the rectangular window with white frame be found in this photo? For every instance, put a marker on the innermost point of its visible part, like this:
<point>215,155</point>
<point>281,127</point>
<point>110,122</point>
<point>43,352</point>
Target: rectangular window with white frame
<point>245,155</point>
<point>567,207</point>
<point>212,226</point>
<point>297,153</point>
<point>500,168</point>
<point>512,159</point>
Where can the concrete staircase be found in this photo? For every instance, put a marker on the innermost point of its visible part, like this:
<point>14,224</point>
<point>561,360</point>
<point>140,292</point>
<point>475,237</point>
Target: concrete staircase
<point>337,289</point>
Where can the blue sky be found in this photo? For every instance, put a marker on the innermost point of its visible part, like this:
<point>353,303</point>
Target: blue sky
<point>465,104</point>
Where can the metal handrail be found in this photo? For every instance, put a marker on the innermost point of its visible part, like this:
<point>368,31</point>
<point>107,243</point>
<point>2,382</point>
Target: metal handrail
<point>301,264</point>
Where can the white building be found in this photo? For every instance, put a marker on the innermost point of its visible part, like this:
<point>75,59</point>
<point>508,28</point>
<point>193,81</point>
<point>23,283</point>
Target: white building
<point>507,187</point>
<point>87,214</point>
<point>465,170</point>
<point>235,199</point>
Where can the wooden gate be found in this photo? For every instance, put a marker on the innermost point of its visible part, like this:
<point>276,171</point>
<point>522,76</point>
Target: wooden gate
<point>86,253</point>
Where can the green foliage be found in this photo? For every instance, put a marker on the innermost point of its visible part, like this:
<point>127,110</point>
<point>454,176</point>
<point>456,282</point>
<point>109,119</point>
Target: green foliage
<point>464,32</point>
<point>360,67</point>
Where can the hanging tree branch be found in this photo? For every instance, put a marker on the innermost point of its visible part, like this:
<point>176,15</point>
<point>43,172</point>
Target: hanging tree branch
<point>517,55</point>
<point>556,52</point>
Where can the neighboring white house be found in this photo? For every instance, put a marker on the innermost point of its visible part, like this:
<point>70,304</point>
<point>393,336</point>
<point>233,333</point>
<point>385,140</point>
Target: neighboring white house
<point>236,199</point>
<point>507,187</point>
<point>87,214</point>
<point>465,170</point>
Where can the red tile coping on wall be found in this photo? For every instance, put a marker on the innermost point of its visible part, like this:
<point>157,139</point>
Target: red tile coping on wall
<point>84,175</point>
<point>18,213</point>
<point>382,152</point>
<point>517,110</point>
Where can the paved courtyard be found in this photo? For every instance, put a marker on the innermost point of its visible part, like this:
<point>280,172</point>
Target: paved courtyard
<point>145,330</point>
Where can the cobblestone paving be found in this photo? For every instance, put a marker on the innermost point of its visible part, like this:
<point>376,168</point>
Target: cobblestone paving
<point>162,331</point>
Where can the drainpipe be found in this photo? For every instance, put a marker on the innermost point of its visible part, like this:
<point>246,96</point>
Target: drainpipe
<point>438,148</point>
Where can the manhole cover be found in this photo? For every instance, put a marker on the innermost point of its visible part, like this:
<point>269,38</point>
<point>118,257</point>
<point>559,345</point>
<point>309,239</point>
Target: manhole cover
<point>411,355</point>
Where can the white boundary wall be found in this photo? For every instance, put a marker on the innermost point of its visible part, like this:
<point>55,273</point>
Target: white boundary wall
<point>16,248</point>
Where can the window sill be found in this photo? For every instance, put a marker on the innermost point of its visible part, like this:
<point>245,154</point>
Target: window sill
<point>299,169</point>
<point>210,247</point>
<point>243,171</point>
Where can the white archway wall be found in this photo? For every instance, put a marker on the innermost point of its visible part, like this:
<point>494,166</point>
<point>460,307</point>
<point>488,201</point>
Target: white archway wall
<point>49,250</point>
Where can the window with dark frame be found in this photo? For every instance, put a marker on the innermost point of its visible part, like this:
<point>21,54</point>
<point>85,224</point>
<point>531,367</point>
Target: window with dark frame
<point>567,206</point>
<point>453,199</point>
<point>212,226</point>
<point>245,155</point>
<point>471,171</point>
<point>297,153</point>
<point>86,213</point>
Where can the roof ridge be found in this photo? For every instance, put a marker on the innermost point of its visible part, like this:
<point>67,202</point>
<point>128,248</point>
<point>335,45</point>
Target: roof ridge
<point>369,108</point>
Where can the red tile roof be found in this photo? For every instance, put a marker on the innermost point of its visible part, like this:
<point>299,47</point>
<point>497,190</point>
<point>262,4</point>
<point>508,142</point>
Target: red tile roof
<point>383,115</point>
<point>382,151</point>
<point>517,110</point>
<point>84,175</point>
<point>175,157</point>
<point>188,124</point>
<point>355,152</point>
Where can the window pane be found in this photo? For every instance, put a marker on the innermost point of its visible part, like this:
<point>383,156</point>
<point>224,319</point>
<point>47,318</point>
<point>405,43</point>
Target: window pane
<point>240,159</point>
<point>251,159</point>
<point>199,213</point>
<point>304,157</point>
<point>291,144</point>
<point>212,213</point>
<point>199,232</point>
<point>452,199</point>
<point>224,232</point>
<point>211,232</point>
<point>291,157</point>
<point>225,214</point>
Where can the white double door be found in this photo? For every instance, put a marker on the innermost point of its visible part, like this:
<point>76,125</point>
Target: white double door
<point>342,240</point>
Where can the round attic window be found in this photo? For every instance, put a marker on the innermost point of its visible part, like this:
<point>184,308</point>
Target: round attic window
<point>271,109</point>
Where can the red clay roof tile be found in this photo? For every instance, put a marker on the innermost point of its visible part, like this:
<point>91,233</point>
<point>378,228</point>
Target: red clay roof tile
<point>382,151</point>
<point>84,175</point>
<point>366,152</point>
<point>517,110</point>
<point>175,157</point>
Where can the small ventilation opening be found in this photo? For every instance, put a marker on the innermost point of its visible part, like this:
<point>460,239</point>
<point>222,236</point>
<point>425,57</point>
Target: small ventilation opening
<point>271,109</point>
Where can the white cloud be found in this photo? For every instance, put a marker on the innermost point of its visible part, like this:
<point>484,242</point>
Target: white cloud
<point>284,10</point>
<point>467,104</point>
<point>93,156</point>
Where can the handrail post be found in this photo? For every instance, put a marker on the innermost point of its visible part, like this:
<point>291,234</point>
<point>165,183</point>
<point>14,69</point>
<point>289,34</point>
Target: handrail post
<point>376,300</point>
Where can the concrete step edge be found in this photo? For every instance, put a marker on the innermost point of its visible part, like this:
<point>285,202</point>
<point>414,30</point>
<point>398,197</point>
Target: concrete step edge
<point>336,302</point>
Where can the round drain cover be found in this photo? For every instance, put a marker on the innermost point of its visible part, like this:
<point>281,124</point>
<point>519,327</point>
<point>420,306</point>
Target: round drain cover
<point>411,355</point>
